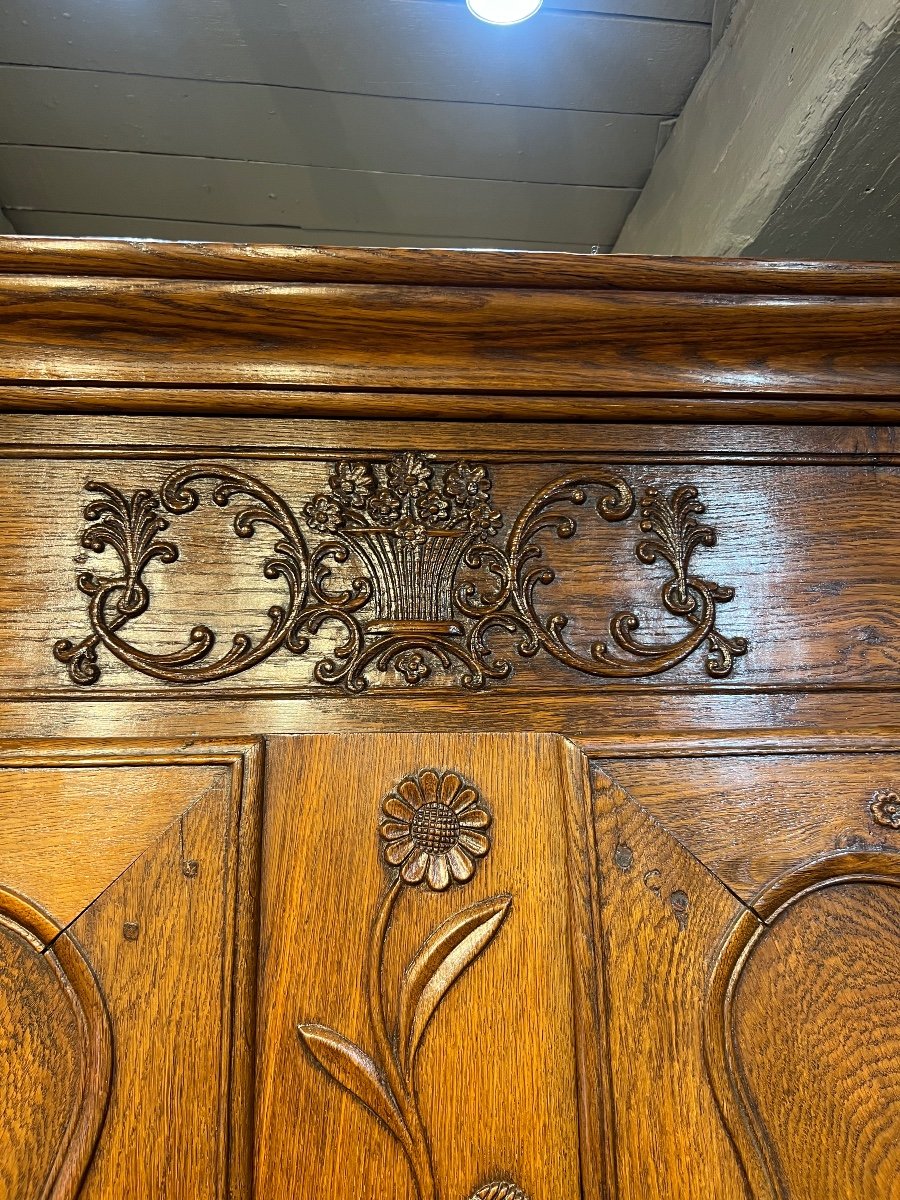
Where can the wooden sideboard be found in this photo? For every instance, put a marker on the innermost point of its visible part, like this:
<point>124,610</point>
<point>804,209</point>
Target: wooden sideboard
<point>449,731</point>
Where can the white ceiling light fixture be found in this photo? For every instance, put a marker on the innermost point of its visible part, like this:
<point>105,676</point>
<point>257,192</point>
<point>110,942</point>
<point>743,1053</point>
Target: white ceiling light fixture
<point>503,12</point>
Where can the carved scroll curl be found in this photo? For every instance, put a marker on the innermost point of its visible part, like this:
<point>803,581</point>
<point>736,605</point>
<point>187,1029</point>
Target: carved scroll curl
<point>407,533</point>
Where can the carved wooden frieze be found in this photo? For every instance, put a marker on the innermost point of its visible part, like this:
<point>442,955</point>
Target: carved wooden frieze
<point>402,562</point>
<point>435,830</point>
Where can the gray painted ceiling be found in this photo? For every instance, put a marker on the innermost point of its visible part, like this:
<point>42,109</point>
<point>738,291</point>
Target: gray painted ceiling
<point>343,122</point>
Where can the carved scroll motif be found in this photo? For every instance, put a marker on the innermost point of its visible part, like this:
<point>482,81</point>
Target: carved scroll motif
<point>435,830</point>
<point>406,531</point>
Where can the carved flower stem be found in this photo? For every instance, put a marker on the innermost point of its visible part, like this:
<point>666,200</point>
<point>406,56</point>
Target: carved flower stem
<point>415,1145</point>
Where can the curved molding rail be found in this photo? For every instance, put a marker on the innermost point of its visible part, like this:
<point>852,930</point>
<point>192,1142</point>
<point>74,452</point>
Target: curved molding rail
<point>35,929</point>
<point>757,1156</point>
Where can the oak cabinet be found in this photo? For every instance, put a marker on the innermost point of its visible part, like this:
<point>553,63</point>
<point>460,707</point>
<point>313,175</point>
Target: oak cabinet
<point>448,730</point>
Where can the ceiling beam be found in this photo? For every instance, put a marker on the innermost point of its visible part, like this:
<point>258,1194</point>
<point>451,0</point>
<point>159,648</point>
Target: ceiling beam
<point>743,169</point>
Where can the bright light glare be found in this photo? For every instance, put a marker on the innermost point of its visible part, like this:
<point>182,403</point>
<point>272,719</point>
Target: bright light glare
<point>503,12</point>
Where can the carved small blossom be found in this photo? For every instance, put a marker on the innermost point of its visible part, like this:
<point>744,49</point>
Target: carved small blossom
<point>413,667</point>
<point>885,808</point>
<point>323,514</point>
<point>384,507</point>
<point>484,519</point>
<point>434,829</point>
<point>408,474</point>
<point>352,482</point>
<point>434,506</point>
<point>411,531</point>
<point>467,484</point>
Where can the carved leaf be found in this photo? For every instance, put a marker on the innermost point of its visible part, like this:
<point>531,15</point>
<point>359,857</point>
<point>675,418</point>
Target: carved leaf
<point>353,1069</point>
<point>440,962</point>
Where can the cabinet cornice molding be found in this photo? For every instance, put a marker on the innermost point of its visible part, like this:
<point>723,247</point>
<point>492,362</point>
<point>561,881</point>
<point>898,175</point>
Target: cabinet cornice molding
<point>96,313</point>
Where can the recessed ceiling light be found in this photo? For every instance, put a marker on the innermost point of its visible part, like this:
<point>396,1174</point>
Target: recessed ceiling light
<point>503,12</point>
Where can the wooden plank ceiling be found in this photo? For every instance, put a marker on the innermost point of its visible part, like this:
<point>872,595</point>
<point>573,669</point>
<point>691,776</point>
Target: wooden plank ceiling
<point>342,122</point>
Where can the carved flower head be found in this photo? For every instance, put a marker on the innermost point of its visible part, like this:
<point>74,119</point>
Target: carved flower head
<point>434,506</point>
<point>413,667</point>
<point>484,520</point>
<point>886,809</point>
<point>384,507</point>
<point>408,474</point>
<point>411,531</point>
<point>352,482</point>
<point>435,829</point>
<point>467,484</point>
<point>323,513</point>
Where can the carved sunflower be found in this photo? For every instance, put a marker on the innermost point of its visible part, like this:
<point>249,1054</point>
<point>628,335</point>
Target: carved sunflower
<point>435,829</point>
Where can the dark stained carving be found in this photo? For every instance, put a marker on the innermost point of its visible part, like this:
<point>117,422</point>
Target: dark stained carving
<point>411,530</point>
<point>435,830</point>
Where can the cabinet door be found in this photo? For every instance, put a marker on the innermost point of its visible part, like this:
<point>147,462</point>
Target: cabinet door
<point>751,930</point>
<point>488,968</point>
<point>127,933</point>
<point>486,975</point>
<point>428,989</point>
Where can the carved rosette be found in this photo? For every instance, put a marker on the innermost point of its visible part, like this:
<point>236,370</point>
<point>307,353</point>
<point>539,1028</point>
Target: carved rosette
<point>430,589</point>
<point>434,830</point>
<point>885,808</point>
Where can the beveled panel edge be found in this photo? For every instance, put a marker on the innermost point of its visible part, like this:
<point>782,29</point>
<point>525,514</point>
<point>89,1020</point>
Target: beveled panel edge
<point>243,757</point>
<point>757,1156</point>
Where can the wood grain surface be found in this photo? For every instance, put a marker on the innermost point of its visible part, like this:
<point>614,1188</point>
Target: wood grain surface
<point>457,406</point>
<point>327,264</point>
<point>68,329</point>
<point>155,973</point>
<point>506,1028</point>
<point>254,317</point>
<point>815,1030</point>
<point>98,817</point>
<point>751,818</point>
<point>662,917</point>
<point>55,1055</point>
<point>816,599</point>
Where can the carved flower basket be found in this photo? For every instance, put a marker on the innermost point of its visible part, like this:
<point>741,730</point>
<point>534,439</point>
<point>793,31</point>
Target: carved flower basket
<point>412,570</point>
